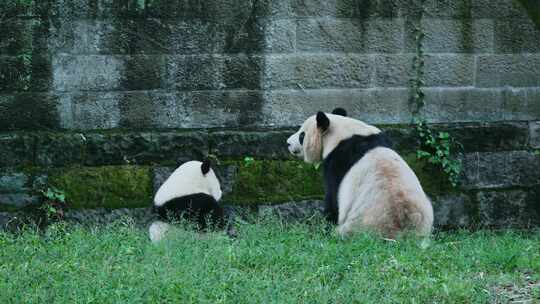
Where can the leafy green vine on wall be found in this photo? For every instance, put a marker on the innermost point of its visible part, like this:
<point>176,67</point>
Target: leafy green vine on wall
<point>438,148</point>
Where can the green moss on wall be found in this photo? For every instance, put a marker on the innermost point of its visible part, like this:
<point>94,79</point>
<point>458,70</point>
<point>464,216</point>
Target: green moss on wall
<point>274,182</point>
<point>109,187</point>
<point>432,179</point>
<point>251,183</point>
<point>533,9</point>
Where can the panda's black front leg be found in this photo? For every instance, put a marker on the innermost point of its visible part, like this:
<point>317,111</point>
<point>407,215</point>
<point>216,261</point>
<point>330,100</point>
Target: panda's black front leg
<point>331,210</point>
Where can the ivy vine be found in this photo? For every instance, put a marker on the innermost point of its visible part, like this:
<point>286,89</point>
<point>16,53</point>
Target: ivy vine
<point>438,148</point>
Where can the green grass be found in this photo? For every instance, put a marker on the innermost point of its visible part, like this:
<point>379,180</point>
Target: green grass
<point>269,262</point>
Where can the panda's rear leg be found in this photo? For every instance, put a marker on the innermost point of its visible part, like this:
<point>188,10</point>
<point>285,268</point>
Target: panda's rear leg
<point>158,230</point>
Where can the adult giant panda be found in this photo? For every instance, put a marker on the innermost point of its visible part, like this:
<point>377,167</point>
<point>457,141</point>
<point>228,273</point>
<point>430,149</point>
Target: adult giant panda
<point>191,192</point>
<point>367,184</point>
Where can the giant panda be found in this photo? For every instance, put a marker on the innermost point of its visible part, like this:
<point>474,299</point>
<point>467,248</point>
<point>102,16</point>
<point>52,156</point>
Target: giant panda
<point>368,186</point>
<point>191,192</point>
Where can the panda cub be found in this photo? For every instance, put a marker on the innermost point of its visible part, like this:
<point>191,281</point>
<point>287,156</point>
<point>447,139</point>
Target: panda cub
<point>191,192</point>
<point>367,184</point>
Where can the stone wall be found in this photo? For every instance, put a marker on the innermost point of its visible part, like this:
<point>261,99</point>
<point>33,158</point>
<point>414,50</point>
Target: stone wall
<point>102,97</point>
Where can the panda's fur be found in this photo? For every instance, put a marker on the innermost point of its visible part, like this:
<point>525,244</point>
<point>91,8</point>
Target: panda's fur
<point>367,184</point>
<point>191,192</point>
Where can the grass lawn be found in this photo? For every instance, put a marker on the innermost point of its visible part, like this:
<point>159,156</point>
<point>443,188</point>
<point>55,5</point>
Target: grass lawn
<point>269,262</point>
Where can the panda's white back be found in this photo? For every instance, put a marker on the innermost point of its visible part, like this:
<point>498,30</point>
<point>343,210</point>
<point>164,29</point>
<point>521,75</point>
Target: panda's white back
<point>186,180</point>
<point>381,191</point>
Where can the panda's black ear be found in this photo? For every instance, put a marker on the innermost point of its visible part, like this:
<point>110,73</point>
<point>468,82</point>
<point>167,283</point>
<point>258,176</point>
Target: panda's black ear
<point>322,121</point>
<point>340,111</point>
<point>205,167</point>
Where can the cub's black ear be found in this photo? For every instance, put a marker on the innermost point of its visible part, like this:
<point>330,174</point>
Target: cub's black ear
<point>322,121</point>
<point>340,111</point>
<point>205,167</point>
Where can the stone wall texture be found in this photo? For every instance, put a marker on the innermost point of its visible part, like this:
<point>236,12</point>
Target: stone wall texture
<point>101,98</point>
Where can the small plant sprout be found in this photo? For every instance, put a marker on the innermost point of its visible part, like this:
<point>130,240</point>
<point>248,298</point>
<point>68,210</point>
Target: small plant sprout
<point>54,204</point>
<point>248,161</point>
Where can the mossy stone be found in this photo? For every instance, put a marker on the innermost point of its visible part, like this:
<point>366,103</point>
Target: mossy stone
<point>108,187</point>
<point>433,180</point>
<point>274,182</point>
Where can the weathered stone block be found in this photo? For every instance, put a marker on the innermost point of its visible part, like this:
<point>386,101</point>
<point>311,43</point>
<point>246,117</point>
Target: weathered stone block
<point>350,35</point>
<point>88,110</point>
<point>448,70</point>
<point>535,134</point>
<point>160,176</point>
<point>500,170</point>
<point>314,8</point>
<point>497,9</point>
<point>514,208</point>
<point>16,36</point>
<point>280,36</point>
<point>144,148</point>
<point>286,108</point>
<point>109,187</point>
<point>458,35</point>
<point>197,109</point>
<point>403,138</point>
<point>13,74</point>
<point>518,35</point>
<point>522,104</point>
<point>489,137</point>
<point>318,71</point>
<point>453,211</point>
<point>87,73</point>
<point>58,149</point>
<point>473,9</point>
<point>294,210</point>
<point>475,137</point>
<point>393,70</point>
<point>225,11</point>
<point>209,109</point>
<point>17,201</point>
<point>197,37</point>
<point>439,70</point>
<point>355,9</point>
<point>508,70</point>
<point>28,111</point>
<point>66,9</point>
<point>238,144</point>
<point>76,37</point>
<point>214,72</point>
<point>143,72</point>
<point>241,72</point>
<point>159,36</point>
<point>143,110</point>
<point>274,182</point>
<point>463,105</point>
<point>98,149</point>
<point>16,150</point>
<point>13,182</point>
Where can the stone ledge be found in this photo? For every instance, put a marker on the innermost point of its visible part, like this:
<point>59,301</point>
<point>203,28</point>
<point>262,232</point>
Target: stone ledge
<point>515,208</point>
<point>249,109</point>
<point>493,170</point>
<point>350,35</point>
<point>514,70</point>
<point>168,147</point>
<point>535,134</point>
